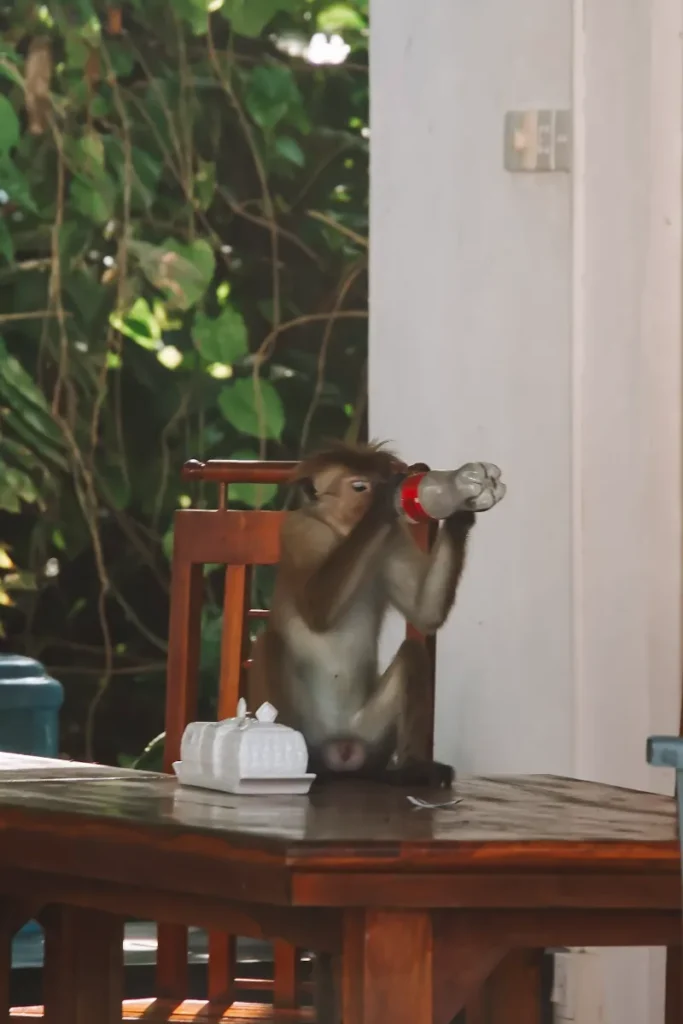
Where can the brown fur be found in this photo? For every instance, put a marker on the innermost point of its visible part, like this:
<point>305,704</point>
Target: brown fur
<point>373,460</point>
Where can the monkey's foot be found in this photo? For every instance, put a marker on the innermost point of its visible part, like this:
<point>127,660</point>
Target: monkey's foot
<point>431,774</point>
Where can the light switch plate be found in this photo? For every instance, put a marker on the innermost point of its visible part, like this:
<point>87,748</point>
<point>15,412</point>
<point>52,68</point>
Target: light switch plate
<point>537,141</point>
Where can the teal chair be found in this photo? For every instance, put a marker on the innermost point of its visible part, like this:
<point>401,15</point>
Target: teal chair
<point>667,752</point>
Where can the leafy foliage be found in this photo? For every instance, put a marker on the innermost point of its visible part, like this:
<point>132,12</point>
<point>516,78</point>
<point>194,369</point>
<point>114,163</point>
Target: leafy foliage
<point>183,215</point>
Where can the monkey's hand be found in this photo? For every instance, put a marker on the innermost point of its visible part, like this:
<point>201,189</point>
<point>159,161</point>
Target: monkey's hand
<point>480,486</point>
<point>431,774</point>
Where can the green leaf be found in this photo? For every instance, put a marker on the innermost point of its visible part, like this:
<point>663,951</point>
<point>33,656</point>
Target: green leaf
<point>14,376</point>
<point>115,486</point>
<point>8,69</point>
<point>16,487</point>
<point>195,13</point>
<point>31,430</point>
<point>250,17</point>
<point>9,126</point>
<point>205,183</point>
<point>77,51</point>
<point>251,495</point>
<point>86,294</point>
<point>139,324</point>
<point>122,60</point>
<point>74,238</point>
<point>6,243</point>
<point>290,150</point>
<point>340,18</point>
<point>222,339</point>
<point>9,500</point>
<point>91,148</point>
<point>146,172</point>
<point>238,403</point>
<point>182,272</point>
<point>270,94</point>
<point>167,544</point>
<point>19,453</point>
<point>94,203</point>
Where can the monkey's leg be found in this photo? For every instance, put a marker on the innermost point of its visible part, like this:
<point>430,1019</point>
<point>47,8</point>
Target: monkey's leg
<point>401,701</point>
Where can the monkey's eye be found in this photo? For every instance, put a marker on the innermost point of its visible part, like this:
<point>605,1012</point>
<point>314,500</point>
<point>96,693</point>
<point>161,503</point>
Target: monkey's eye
<point>360,485</point>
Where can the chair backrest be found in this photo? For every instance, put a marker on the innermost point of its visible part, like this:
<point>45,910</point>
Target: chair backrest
<point>239,540</point>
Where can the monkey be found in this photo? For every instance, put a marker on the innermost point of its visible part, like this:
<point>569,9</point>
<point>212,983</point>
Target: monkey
<point>346,558</point>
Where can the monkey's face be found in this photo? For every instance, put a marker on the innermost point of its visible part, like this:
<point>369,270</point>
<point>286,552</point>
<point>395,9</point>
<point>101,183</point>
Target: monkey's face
<point>342,496</point>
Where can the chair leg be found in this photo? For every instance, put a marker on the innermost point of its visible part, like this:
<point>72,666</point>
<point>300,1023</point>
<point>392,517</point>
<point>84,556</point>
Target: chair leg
<point>674,985</point>
<point>172,977</point>
<point>515,988</point>
<point>286,958</point>
<point>83,976</point>
<point>222,969</point>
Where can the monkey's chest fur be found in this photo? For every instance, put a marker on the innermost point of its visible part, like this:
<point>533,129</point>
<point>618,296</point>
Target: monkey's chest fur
<point>328,677</point>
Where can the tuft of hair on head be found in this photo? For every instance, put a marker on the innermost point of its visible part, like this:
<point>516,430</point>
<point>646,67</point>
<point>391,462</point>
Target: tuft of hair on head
<point>373,459</point>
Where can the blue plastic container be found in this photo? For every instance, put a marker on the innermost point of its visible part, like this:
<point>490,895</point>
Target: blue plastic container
<point>29,707</point>
<point>29,717</point>
<point>667,752</point>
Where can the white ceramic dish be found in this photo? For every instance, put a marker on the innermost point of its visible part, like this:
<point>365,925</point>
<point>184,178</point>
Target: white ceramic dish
<point>189,774</point>
<point>248,754</point>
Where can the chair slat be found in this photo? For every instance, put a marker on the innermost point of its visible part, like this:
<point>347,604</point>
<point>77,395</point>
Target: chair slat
<point>233,642</point>
<point>285,994</point>
<point>233,537</point>
<point>184,639</point>
<point>222,968</point>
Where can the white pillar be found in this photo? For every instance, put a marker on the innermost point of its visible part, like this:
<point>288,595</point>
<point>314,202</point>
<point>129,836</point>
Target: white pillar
<point>535,321</point>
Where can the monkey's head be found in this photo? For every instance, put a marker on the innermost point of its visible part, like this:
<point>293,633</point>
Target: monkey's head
<point>342,478</point>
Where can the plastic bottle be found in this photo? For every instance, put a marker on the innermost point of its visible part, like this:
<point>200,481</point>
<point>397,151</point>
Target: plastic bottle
<point>438,494</point>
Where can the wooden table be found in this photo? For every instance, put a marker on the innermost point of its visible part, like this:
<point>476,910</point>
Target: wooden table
<point>423,904</point>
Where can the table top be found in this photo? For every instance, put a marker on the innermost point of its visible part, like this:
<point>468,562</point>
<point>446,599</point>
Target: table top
<point>359,823</point>
<point>26,767</point>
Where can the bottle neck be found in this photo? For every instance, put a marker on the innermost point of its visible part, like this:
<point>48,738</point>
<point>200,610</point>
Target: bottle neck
<point>408,499</point>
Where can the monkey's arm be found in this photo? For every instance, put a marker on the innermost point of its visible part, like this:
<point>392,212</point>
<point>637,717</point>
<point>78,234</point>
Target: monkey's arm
<point>324,573</point>
<point>423,586</point>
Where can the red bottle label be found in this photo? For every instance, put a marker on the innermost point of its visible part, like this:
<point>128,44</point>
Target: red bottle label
<point>410,501</point>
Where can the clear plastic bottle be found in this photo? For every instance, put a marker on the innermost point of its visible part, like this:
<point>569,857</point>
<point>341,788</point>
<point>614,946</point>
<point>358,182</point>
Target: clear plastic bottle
<point>438,494</point>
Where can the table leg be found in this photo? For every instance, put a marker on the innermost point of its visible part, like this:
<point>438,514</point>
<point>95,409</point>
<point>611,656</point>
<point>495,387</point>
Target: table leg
<point>83,976</point>
<point>387,968</point>
<point>515,988</point>
<point>674,985</point>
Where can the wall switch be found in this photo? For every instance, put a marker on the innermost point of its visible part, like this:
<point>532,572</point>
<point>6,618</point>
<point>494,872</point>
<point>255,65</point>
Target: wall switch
<point>537,141</point>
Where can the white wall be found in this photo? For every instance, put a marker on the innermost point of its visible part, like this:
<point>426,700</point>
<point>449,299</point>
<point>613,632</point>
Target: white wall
<point>470,354</point>
<point>535,321</point>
